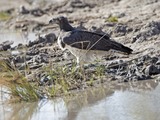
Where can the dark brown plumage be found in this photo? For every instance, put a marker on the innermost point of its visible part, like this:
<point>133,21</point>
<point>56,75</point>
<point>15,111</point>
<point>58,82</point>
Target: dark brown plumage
<point>85,40</point>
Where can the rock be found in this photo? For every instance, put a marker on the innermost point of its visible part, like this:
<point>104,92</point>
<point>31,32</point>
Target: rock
<point>154,60</point>
<point>111,71</point>
<point>139,74</point>
<point>117,64</point>
<point>144,58</point>
<point>73,5</point>
<point>134,39</point>
<point>135,73</point>
<point>120,15</point>
<point>136,77</point>
<point>150,29</point>
<point>123,73</point>
<point>121,29</point>
<point>79,4</point>
<point>27,57</point>
<point>46,79</point>
<point>50,38</point>
<point>131,71</point>
<point>37,41</point>
<point>152,70</point>
<point>117,68</point>
<point>37,12</point>
<point>153,24</point>
<point>41,58</point>
<point>41,77</point>
<point>138,37</point>
<point>140,63</point>
<point>143,77</point>
<point>23,10</point>
<point>20,46</point>
<point>110,57</point>
<point>21,58</point>
<point>4,46</point>
<point>32,51</point>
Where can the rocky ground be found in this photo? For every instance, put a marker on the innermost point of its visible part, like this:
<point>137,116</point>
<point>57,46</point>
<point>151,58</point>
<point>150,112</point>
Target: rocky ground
<point>134,23</point>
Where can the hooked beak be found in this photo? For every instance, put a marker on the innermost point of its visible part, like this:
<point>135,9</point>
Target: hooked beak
<point>53,21</point>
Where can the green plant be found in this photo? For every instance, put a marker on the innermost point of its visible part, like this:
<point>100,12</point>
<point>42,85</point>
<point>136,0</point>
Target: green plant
<point>100,71</point>
<point>4,16</point>
<point>62,80</point>
<point>112,19</point>
<point>17,83</point>
<point>25,90</point>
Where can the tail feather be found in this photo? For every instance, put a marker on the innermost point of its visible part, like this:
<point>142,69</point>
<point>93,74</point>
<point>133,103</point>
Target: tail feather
<point>126,49</point>
<point>120,47</point>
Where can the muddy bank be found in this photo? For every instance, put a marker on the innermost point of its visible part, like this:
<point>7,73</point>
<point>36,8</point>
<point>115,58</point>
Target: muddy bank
<point>42,62</point>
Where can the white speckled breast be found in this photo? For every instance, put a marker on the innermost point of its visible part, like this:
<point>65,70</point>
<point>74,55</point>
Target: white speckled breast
<point>59,41</point>
<point>86,56</point>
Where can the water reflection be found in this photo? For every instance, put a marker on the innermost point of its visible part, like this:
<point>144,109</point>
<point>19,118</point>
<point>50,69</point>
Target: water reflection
<point>140,101</point>
<point>124,105</point>
<point>51,110</point>
<point>42,110</point>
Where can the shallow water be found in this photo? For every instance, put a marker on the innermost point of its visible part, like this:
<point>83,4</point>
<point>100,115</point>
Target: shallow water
<point>16,37</point>
<point>138,101</point>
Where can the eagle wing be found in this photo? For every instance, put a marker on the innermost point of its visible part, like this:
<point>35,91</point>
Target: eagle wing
<point>93,41</point>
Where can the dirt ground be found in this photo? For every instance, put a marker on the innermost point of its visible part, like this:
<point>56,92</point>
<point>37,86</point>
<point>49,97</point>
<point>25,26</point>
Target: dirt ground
<point>134,23</point>
<point>136,15</point>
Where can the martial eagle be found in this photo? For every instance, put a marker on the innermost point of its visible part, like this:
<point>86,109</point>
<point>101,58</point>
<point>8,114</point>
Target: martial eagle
<point>84,45</point>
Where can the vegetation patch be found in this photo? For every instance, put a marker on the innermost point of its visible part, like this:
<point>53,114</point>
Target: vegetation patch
<point>4,15</point>
<point>64,79</point>
<point>61,80</point>
<point>17,83</point>
<point>112,19</point>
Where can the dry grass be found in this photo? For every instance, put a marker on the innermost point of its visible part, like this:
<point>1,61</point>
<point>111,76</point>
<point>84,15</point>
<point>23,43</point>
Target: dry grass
<point>63,81</point>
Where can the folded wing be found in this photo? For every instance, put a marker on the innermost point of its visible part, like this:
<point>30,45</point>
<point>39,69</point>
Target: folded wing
<point>93,41</point>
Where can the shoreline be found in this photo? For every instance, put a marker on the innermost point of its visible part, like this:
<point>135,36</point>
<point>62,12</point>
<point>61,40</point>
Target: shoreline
<point>45,66</point>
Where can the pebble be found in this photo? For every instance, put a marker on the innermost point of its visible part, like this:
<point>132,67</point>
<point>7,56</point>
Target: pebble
<point>4,46</point>
<point>152,70</point>
<point>148,30</point>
